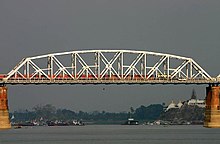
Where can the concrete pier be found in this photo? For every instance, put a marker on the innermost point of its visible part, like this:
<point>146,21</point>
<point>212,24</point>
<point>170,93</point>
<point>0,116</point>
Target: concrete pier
<point>212,113</point>
<point>4,114</point>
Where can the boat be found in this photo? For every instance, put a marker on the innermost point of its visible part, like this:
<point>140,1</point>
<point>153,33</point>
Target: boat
<point>131,121</point>
<point>63,123</point>
<point>77,123</point>
<point>17,127</point>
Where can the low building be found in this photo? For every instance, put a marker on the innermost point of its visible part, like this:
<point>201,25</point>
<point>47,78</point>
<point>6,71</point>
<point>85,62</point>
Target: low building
<point>172,105</point>
<point>196,102</point>
<point>193,101</point>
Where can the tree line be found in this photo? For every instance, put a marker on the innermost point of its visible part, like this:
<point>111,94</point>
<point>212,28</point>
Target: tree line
<point>49,112</point>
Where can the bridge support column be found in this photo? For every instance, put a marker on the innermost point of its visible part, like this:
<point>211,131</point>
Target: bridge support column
<point>4,114</point>
<point>212,112</point>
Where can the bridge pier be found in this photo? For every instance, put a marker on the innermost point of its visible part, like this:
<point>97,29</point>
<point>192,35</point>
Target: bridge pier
<point>212,112</point>
<point>4,114</point>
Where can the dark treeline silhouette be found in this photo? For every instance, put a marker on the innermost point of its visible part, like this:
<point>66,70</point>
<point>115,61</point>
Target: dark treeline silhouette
<point>50,113</point>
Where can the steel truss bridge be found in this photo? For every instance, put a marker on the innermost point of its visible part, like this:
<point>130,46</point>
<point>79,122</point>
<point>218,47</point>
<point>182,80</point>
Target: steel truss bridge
<point>108,67</point>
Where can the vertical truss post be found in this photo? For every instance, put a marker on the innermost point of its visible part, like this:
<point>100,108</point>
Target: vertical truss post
<point>133,73</point>
<point>72,64</point>
<point>122,65</point>
<point>25,69</point>
<point>50,66</point>
<point>187,71</point>
<point>99,65</point>
<point>28,69</point>
<point>164,68</point>
<point>87,73</point>
<point>96,62</point>
<point>168,68</point>
<point>110,68</point>
<point>142,66</point>
<point>110,71</point>
<point>145,65</point>
<point>16,74</point>
<point>75,67</point>
<point>119,65</point>
<point>191,70</point>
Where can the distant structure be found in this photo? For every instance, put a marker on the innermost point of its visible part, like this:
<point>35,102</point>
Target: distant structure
<point>193,96</point>
<point>193,101</point>
<point>180,104</point>
<point>172,105</point>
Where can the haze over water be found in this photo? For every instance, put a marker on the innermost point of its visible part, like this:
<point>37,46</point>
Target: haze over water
<point>108,134</point>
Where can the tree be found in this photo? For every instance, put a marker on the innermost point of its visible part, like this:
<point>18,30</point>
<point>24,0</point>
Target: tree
<point>152,112</point>
<point>46,112</point>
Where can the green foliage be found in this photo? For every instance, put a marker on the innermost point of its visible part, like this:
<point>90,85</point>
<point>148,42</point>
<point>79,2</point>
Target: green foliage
<point>62,114</point>
<point>152,112</point>
<point>185,113</point>
<point>46,112</point>
<point>50,113</point>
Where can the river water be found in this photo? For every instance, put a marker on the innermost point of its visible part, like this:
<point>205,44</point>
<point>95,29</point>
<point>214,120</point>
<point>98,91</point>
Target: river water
<point>111,134</point>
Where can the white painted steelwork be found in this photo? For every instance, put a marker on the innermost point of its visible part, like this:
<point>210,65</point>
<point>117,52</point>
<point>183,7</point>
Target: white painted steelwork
<point>104,65</point>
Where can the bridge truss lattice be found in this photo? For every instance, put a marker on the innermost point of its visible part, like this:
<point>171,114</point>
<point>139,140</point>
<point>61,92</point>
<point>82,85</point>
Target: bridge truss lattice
<point>107,65</point>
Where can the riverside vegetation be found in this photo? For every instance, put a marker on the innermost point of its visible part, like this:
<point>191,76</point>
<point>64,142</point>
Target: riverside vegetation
<point>144,114</point>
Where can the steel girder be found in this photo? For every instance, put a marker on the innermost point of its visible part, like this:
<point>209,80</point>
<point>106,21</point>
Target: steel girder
<point>108,64</point>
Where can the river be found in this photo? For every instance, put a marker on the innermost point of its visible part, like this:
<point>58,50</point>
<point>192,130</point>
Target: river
<point>111,134</point>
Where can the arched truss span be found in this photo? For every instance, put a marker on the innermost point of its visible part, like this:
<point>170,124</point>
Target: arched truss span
<point>108,65</point>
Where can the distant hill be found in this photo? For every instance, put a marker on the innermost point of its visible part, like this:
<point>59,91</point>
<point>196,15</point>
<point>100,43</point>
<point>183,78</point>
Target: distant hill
<point>186,114</point>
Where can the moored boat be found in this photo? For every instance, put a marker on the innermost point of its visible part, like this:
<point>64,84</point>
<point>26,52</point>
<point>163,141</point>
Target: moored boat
<point>131,121</point>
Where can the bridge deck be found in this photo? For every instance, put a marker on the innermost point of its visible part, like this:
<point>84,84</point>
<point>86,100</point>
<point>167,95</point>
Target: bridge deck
<point>163,82</point>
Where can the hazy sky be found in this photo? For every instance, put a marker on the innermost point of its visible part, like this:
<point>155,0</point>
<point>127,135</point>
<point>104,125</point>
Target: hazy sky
<point>34,27</point>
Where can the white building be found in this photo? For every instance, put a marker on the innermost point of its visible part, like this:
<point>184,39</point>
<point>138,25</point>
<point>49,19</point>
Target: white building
<point>196,102</point>
<point>172,105</point>
<point>180,104</point>
<point>192,102</point>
